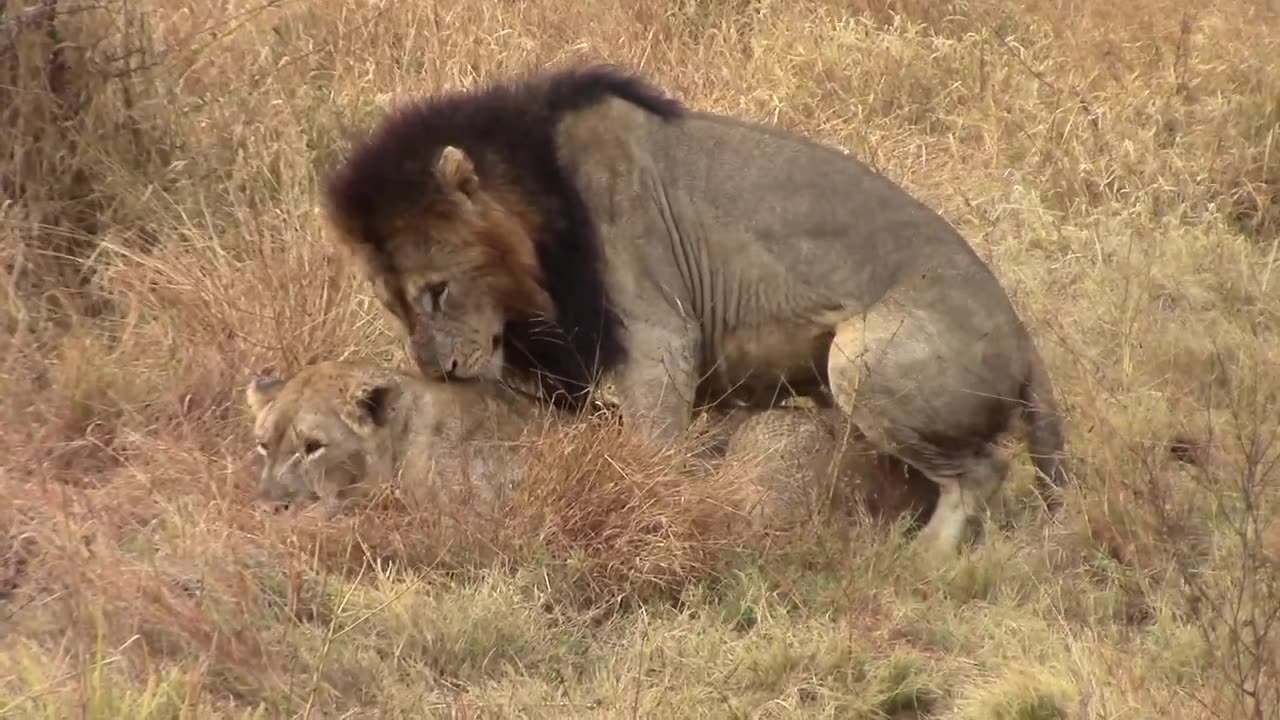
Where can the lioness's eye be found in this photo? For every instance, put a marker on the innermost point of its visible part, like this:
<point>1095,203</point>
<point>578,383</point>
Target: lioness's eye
<point>437,292</point>
<point>311,447</point>
<point>262,448</point>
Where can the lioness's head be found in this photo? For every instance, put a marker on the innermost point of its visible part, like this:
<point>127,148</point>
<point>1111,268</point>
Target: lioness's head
<point>448,251</point>
<point>318,432</point>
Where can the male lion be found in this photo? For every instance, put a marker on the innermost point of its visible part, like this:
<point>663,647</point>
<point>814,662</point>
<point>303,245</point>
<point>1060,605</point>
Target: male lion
<point>579,223</point>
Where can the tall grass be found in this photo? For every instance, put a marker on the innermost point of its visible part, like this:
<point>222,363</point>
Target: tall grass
<point>1118,166</point>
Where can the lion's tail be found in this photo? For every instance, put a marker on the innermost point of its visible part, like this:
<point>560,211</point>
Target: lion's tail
<point>1044,433</point>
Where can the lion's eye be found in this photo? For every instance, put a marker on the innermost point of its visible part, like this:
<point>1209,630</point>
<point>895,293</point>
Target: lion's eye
<point>312,447</point>
<point>437,292</point>
<point>262,448</point>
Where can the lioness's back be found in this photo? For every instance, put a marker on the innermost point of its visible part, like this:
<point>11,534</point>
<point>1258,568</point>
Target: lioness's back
<point>799,463</point>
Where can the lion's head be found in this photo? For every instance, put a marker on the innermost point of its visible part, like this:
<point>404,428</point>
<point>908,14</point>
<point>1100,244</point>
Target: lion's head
<point>457,330</point>
<point>453,267</point>
<point>319,432</point>
<point>459,211</point>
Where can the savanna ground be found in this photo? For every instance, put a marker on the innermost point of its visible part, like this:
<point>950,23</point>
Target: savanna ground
<point>1119,166</point>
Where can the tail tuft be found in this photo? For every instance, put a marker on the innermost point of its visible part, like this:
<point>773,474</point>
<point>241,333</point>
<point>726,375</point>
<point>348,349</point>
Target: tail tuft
<point>1044,434</point>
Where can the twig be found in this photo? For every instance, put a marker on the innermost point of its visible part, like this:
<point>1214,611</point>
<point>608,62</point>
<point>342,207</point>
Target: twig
<point>34,17</point>
<point>221,30</point>
<point>1091,115</point>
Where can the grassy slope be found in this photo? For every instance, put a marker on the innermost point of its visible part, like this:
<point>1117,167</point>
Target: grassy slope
<point>1118,166</point>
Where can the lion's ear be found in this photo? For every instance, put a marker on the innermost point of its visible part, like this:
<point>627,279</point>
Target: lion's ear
<point>262,391</point>
<point>373,404</point>
<point>456,172</point>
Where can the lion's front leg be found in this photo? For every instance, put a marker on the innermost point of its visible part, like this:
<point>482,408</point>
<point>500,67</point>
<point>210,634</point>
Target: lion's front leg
<point>656,383</point>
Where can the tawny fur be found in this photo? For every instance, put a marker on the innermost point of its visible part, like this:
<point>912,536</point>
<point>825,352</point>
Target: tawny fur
<point>797,465</point>
<point>379,428</point>
<point>336,431</point>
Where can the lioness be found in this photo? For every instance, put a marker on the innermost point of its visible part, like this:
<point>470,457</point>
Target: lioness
<point>579,223</point>
<point>336,431</point>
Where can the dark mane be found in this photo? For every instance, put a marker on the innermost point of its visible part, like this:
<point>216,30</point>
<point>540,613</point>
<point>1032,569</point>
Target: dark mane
<point>508,129</point>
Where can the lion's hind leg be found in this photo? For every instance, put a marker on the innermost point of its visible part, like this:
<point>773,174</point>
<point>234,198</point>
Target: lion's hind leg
<point>966,487</point>
<point>919,388</point>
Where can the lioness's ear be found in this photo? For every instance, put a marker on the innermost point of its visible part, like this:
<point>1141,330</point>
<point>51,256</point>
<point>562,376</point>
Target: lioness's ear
<point>456,172</point>
<point>373,403</point>
<point>261,391</point>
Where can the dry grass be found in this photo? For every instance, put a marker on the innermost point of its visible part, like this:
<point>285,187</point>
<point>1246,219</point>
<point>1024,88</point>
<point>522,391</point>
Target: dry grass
<point>1119,166</point>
